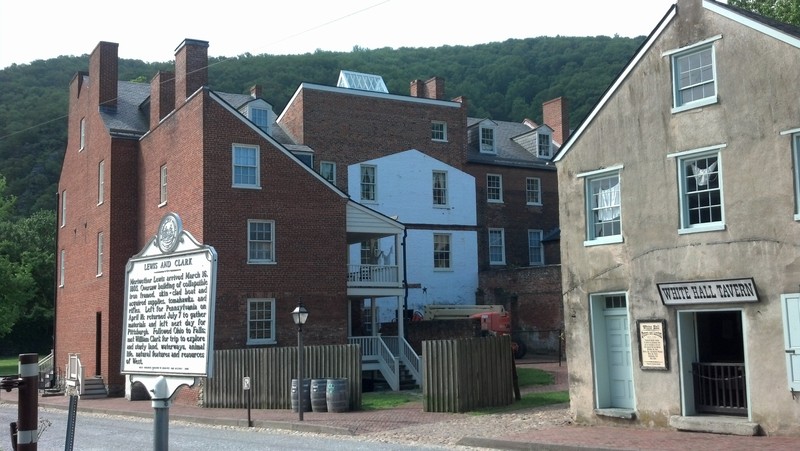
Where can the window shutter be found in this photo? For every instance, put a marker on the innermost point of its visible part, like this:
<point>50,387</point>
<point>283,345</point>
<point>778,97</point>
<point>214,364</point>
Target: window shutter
<point>790,304</point>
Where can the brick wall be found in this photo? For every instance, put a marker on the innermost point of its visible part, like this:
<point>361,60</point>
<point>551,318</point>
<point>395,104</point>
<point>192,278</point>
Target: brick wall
<point>531,295</point>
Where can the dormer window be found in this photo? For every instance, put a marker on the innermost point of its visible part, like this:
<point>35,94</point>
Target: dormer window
<point>545,148</point>
<point>260,117</point>
<point>487,140</point>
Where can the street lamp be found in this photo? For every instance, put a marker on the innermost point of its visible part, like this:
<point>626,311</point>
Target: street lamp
<point>300,315</point>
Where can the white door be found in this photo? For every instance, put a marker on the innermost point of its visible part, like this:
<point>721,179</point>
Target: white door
<point>620,369</point>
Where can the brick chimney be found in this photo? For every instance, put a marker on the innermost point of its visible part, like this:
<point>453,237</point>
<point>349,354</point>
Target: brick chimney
<point>255,91</point>
<point>431,89</point>
<point>162,97</point>
<point>103,73</point>
<point>555,115</point>
<point>191,68</point>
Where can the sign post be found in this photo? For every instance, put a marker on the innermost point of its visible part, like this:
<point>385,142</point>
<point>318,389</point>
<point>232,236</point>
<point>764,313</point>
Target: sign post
<point>168,324</point>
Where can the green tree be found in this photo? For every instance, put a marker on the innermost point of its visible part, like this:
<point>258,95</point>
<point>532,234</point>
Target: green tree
<point>26,273</point>
<point>787,11</point>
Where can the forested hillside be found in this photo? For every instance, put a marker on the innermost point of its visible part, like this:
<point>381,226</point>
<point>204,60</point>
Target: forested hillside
<point>504,81</point>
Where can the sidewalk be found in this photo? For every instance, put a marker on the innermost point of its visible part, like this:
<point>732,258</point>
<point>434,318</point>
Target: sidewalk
<point>567,437</point>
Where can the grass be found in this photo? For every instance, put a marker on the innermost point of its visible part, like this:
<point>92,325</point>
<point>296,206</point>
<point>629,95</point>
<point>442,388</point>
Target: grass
<point>525,376</point>
<point>9,365</point>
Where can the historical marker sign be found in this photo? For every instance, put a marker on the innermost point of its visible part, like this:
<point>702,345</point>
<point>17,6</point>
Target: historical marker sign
<point>170,289</point>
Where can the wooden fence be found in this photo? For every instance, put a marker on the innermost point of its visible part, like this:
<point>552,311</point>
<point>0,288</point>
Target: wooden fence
<point>467,374</point>
<point>271,371</point>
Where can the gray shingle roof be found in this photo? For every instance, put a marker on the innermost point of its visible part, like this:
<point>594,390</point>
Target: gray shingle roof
<point>509,152</point>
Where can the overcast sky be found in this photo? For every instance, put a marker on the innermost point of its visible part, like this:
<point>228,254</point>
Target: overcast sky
<point>151,30</point>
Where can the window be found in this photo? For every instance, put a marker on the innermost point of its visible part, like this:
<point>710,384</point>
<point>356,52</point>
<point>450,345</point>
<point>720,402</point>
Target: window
<point>370,251</point>
<point>494,188</point>
<point>63,208</point>
<point>487,140</point>
<point>245,167</point>
<point>497,248</point>
<point>100,253</point>
<point>101,181</point>
<point>535,251</point>
<point>368,183</point>
<point>260,117</point>
<point>533,191</point>
<point>603,215</point>
<point>260,241</point>
<point>796,155</point>
<point>700,189</point>
<point>260,321</point>
<point>439,131</point>
<point>83,134</point>
<point>306,158</point>
<point>694,76</point>
<point>441,251</point>
<point>61,261</point>
<point>439,188</point>
<point>163,185</point>
<point>545,149</point>
<point>327,170</point>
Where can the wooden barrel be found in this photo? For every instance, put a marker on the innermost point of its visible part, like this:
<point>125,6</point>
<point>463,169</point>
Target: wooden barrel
<point>338,395</point>
<point>306,399</point>
<point>319,401</point>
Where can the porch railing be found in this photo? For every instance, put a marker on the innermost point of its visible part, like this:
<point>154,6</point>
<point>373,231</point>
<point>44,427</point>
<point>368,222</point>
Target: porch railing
<point>386,353</point>
<point>373,275</point>
<point>720,388</point>
<point>75,371</point>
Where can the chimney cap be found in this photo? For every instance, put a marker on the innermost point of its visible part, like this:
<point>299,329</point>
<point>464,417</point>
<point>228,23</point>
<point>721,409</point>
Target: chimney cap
<point>191,42</point>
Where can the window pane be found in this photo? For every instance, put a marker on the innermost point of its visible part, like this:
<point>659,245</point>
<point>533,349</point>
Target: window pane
<point>439,188</point>
<point>260,242</point>
<point>441,251</point>
<point>605,205</point>
<point>702,196</point>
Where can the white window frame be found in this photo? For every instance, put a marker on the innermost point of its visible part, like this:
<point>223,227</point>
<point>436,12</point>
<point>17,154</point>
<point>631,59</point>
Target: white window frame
<point>440,192</point>
<point>796,170</point>
<point>535,245</point>
<point>162,186</point>
<point>63,208</point>
<point>61,273</point>
<point>101,182</point>
<point>544,149</point>
<point>594,183</point>
<point>487,143</point>
<point>270,242</point>
<point>254,306</point>
<point>439,131</point>
<point>494,194</point>
<point>82,142</point>
<point>678,59</point>
<point>99,254</point>
<point>442,251</point>
<point>237,163</point>
<point>501,246</point>
<point>369,187</point>
<point>533,195</point>
<point>685,158</point>
<point>332,166</point>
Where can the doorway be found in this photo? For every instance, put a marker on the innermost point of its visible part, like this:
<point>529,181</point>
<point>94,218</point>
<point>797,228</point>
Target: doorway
<point>711,346</point>
<point>613,365</point>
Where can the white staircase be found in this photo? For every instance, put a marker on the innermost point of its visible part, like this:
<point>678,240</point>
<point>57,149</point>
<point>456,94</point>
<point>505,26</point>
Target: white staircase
<point>78,383</point>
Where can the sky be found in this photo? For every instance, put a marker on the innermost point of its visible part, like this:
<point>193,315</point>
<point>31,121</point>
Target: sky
<point>47,29</point>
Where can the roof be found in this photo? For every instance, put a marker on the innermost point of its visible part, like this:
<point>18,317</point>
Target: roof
<point>509,152</point>
<point>787,33</point>
<point>127,119</point>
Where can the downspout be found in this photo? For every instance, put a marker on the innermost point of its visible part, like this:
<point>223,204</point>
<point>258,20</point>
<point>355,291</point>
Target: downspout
<point>405,285</point>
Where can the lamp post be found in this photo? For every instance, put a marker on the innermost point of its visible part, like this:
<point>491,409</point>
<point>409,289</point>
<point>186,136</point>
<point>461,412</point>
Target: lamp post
<point>300,315</point>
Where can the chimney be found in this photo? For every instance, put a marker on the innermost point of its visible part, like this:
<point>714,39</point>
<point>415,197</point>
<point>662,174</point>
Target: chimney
<point>162,97</point>
<point>555,115</point>
<point>103,73</point>
<point>191,68</point>
<point>255,91</point>
<point>434,88</point>
<point>431,89</point>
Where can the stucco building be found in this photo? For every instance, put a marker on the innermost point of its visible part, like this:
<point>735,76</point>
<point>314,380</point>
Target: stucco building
<point>679,209</point>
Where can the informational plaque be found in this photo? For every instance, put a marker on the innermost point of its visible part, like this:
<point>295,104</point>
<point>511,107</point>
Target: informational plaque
<point>170,289</point>
<point>653,345</point>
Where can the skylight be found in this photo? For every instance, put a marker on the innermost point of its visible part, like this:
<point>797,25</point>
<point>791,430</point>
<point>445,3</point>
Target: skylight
<point>357,80</point>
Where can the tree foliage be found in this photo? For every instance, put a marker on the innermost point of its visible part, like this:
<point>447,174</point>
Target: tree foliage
<point>787,11</point>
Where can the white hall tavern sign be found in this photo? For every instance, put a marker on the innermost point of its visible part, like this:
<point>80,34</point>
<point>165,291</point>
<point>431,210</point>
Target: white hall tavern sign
<point>708,292</point>
<point>170,290</point>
